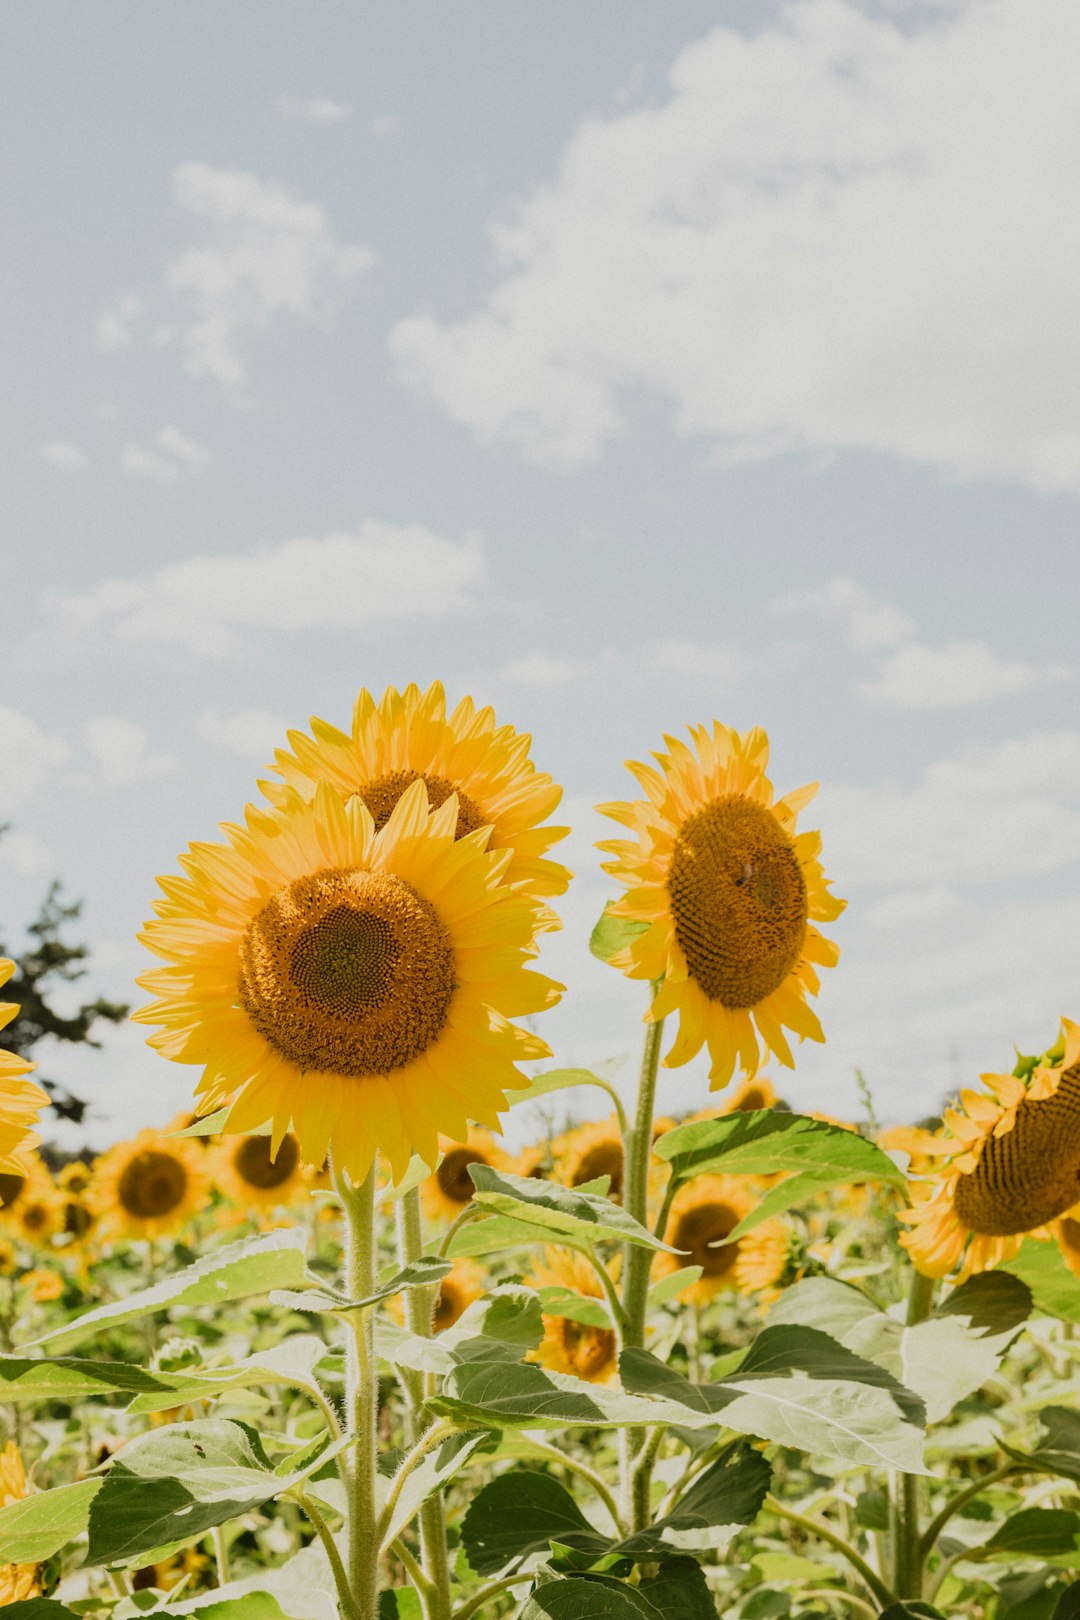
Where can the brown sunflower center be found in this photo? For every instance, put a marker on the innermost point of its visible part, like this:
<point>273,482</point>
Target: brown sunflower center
<point>383,793</point>
<point>10,1188</point>
<point>590,1351</point>
<point>1030,1175</point>
<point>152,1184</point>
<point>751,1100</point>
<point>253,1164</point>
<point>602,1159</point>
<point>35,1217</point>
<point>449,1304</point>
<point>701,1226</point>
<point>453,1175</point>
<point>347,971</point>
<point>738,900</point>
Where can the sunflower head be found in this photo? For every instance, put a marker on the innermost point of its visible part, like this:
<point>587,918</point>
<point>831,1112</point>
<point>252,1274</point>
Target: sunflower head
<point>149,1187</point>
<point>21,1101</point>
<point>579,1349</point>
<point>703,1215</point>
<point>17,1581</point>
<point>588,1151</point>
<point>450,1187</point>
<point>352,984</point>
<point>252,1175</point>
<point>406,737</point>
<point>1009,1167</point>
<point>729,894</point>
<point>768,1260</point>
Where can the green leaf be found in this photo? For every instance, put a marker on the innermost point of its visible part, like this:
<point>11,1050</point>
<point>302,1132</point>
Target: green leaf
<point>416,1172</point>
<point>291,1363</point>
<point>557,1301</point>
<point>913,1609</point>
<point>1068,1607</point>
<point>500,1326</point>
<point>515,1394</point>
<point>518,1514</point>
<point>400,1603</point>
<point>680,1591</point>
<point>430,1475</point>
<point>302,1588</point>
<point>38,1526</point>
<point>559,1212</point>
<point>588,1597</point>
<point>541,1085</point>
<point>846,1314</point>
<point>252,1266</point>
<point>1050,1533</point>
<point>800,1388</point>
<point>727,1495</point>
<point>767,1142</point>
<point>66,1378</point>
<point>492,1236</point>
<point>673,1284</point>
<point>1058,1447</point>
<point>39,1608</point>
<point>170,1486</point>
<point>953,1353</point>
<point>214,1124</point>
<point>612,934</point>
<point>1054,1288</point>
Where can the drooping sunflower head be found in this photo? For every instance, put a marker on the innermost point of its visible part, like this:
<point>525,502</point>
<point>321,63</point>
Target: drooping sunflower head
<point>21,1101</point>
<point>450,1187</point>
<point>729,894</point>
<point>704,1213</point>
<point>354,985</point>
<point>149,1187</point>
<point>581,1349</point>
<point>408,736</point>
<point>589,1151</point>
<point>17,1581</point>
<point>252,1176</point>
<point>1009,1162</point>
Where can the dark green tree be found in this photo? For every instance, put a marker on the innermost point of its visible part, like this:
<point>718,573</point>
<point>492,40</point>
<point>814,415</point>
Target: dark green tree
<point>47,962</point>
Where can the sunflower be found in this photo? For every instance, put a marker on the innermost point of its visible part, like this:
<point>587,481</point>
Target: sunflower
<point>750,1096</point>
<point>729,894</point>
<point>1011,1166</point>
<point>253,1177</point>
<point>1067,1232</point>
<point>406,736</point>
<point>569,1346</point>
<point>589,1151</point>
<point>148,1187</point>
<point>32,1207</point>
<point>450,1187</point>
<point>768,1259</point>
<point>463,1284</point>
<point>703,1213</point>
<point>21,1101</point>
<point>17,1581</point>
<point>352,984</point>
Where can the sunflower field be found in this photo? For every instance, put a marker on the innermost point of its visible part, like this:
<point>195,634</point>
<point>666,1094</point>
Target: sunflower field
<point>326,1345</point>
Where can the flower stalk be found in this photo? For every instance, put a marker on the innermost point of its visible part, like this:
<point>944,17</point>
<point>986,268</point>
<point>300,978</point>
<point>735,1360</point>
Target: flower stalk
<point>361,1396</point>
<point>908,1556</point>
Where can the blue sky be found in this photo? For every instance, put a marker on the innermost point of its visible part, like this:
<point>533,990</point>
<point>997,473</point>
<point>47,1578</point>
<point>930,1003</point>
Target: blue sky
<point>624,365</point>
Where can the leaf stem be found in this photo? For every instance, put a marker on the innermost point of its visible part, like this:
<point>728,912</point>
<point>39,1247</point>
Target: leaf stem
<point>825,1532</point>
<point>430,1438</point>
<point>322,1530</point>
<point>486,1593</point>
<point>584,1472</point>
<point>937,1524</point>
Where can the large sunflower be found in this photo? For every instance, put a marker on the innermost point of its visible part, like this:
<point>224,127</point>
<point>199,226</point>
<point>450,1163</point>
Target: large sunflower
<point>730,894</point>
<point>353,984</point>
<point>149,1187</point>
<point>1010,1167</point>
<point>17,1581</point>
<point>21,1101</point>
<point>407,735</point>
<point>703,1214</point>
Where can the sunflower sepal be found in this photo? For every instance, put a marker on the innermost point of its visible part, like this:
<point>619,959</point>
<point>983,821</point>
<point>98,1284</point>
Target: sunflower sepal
<point>613,932</point>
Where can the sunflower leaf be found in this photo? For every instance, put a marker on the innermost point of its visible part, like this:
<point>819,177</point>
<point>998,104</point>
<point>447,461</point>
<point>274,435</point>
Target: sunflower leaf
<point>673,1284</point>
<point>491,1235</point>
<point>1054,1287</point>
<point>67,1378</point>
<point>612,934</point>
<point>590,1597</point>
<point>507,1394</point>
<point>252,1266</point>
<point>1049,1533</point>
<point>767,1142</point>
<point>1058,1448</point>
<point>559,1211</point>
<point>440,1465</point>
<point>562,1079</point>
<point>291,1363</point>
<point>38,1526</point>
<point>557,1301</point>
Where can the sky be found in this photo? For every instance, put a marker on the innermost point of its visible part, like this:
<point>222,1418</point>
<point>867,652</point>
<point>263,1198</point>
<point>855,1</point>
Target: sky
<point>626,366</point>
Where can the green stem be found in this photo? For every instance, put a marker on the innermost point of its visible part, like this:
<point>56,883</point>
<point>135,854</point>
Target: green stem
<point>361,1396</point>
<point>412,1569</point>
<point>824,1532</point>
<point>341,1580</point>
<point>486,1593</point>
<point>419,1307</point>
<point>928,1539</point>
<point>848,1599</point>
<point>583,1472</point>
<point>904,1488</point>
<point>431,1437</point>
<point>221,1556</point>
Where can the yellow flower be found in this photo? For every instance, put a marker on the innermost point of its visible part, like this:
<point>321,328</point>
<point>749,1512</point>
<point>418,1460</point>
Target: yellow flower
<point>729,893</point>
<point>588,1151</point>
<point>149,1187</point>
<point>21,1101</point>
<point>568,1346</point>
<point>767,1260</point>
<point>352,984</point>
<point>17,1581</point>
<point>406,736</point>
<point>703,1213</point>
<point>1011,1167</point>
<point>446,1192</point>
<point>457,1291</point>
<point>43,1285</point>
<point>32,1206</point>
<point>247,1174</point>
<point>1067,1232</point>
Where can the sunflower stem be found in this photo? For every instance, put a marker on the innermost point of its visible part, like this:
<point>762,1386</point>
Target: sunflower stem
<point>419,1308</point>
<point>361,1395</point>
<point>908,1557</point>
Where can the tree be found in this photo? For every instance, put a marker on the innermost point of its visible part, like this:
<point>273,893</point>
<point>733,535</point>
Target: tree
<point>47,962</point>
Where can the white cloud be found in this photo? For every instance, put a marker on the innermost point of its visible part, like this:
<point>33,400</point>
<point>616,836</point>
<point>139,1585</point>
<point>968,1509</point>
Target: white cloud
<point>177,444</point>
<point>690,660</point>
<point>122,755</point>
<point>868,621</point>
<point>540,672</point>
<point>143,463</point>
<point>175,453</point>
<point>264,255</point>
<point>65,455</point>
<point>1006,811</point>
<point>210,606</point>
<point>838,233</point>
<point>32,760</point>
<point>314,109</point>
<point>247,733</point>
<point>953,675</point>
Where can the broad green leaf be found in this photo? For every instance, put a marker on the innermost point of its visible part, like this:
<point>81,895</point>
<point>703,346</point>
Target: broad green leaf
<point>953,1353</point>
<point>680,1591</point>
<point>559,1212</point>
<point>252,1266</point>
<point>38,1526</point>
<point>416,1172</point>
<point>39,1608</point>
<point>728,1494</point>
<point>786,1569</point>
<point>1068,1607</point>
<point>440,1465</point>
<point>256,1605</point>
<point>400,1603</point>
<point>588,1597</point>
<point>541,1085</point>
<point>491,1236</point>
<point>422,1273</point>
<point>1054,1288</point>
<point>516,1394</point>
<point>291,1363</point>
<point>302,1588</point>
<point>799,1388</point>
<point>557,1301</point>
<point>767,1142</point>
<point>846,1314</point>
<point>66,1378</point>
<point>1049,1533</point>
<point>673,1284</point>
<point>612,934</point>
<point>518,1514</point>
<point>500,1326</point>
<point>1058,1447</point>
<point>170,1486</point>
<point>214,1124</point>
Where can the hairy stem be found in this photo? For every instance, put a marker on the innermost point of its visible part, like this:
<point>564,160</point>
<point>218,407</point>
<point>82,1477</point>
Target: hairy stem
<point>907,1562</point>
<point>361,1396</point>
